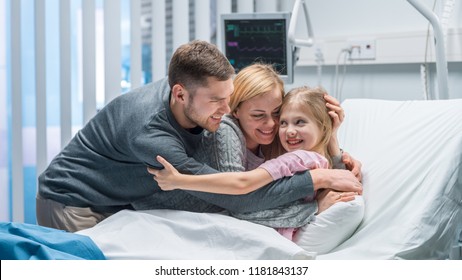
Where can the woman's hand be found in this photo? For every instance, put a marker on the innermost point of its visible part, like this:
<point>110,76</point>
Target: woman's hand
<point>337,115</point>
<point>328,197</point>
<point>352,164</point>
<point>335,111</point>
<point>166,178</point>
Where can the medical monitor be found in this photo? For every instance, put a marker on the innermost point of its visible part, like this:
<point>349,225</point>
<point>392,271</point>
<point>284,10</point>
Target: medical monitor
<point>258,37</point>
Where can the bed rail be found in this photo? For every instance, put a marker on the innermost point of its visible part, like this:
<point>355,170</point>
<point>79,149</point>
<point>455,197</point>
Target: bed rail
<point>441,61</point>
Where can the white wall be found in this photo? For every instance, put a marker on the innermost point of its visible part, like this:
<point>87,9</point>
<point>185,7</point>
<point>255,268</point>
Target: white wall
<point>396,72</point>
<point>388,81</point>
<point>358,17</point>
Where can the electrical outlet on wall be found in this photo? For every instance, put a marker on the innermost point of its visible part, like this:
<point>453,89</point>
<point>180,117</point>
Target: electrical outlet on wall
<point>363,49</point>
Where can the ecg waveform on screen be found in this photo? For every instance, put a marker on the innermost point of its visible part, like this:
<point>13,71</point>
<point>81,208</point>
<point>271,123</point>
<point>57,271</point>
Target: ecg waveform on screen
<point>254,49</point>
<point>249,41</point>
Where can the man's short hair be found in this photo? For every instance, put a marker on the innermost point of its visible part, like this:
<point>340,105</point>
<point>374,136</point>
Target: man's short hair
<point>194,62</point>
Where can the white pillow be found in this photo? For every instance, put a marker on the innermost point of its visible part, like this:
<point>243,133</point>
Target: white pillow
<point>332,227</point>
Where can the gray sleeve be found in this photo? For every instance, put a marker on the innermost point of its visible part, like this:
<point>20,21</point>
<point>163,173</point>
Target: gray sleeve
<point>337,162</point>
<point>224,149</point>
<point>293,214</point>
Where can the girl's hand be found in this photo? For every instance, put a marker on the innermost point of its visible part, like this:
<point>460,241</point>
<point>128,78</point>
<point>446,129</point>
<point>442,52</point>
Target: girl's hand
<point>166,178</point>
<point>328,197</point>
<point>352,164</point>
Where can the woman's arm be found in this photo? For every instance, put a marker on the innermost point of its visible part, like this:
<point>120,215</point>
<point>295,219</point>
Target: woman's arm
<point>341,160</point>
<point>337,115</point>
<point>224,183</point>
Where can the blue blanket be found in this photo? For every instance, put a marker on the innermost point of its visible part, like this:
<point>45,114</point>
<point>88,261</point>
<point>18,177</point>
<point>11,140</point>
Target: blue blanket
<point>20,241</point>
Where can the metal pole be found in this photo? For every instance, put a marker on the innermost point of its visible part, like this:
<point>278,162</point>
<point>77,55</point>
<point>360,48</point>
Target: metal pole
<point>441,62</point>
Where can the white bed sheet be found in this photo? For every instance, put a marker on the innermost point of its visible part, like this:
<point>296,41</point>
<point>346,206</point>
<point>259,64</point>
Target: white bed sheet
<point>412,169</point>
<point>170,234</point>
<point>412,175</point>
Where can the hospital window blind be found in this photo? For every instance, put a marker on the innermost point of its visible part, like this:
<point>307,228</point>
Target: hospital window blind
<point>5,146</point>
<point>55,72</point>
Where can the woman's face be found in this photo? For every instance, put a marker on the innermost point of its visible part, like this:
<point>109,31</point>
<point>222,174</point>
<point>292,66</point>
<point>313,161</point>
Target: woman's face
<point>259,118</point>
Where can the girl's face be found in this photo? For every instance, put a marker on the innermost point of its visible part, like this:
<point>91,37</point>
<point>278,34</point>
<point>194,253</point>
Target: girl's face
<point>259,118</point>
<point>298,130</point>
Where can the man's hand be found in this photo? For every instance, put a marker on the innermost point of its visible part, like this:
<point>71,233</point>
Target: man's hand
<point>336,179</point>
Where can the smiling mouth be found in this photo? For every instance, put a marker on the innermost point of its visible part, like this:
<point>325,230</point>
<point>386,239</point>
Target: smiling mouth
<point>266,132</point>
<point>294,141</point>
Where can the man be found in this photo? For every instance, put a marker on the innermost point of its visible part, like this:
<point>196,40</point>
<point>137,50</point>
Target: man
<point>103,168</point>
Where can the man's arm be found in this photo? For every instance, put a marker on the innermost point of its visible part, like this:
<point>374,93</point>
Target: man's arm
<point>276,193</point>
<point>286,190</point>
<point>173,150</point>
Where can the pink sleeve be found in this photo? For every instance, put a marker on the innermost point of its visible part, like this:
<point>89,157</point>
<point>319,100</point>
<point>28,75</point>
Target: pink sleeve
<point>292,162</point>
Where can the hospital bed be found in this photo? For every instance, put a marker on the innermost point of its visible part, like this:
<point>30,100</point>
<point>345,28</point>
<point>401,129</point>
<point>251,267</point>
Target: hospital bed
<point>412,174</point>
<point>411,153</point>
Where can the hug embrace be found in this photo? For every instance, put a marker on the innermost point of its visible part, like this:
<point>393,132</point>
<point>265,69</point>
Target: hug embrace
<point>308,120</point>
<point>103,168</point>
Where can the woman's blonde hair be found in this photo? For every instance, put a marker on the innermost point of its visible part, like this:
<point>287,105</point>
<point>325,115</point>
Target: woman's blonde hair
<point>252,81</point>
<point>312,99</point>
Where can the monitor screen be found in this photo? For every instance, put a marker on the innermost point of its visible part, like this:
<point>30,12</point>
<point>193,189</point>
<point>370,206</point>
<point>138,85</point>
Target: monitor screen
<point>258,37</point>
